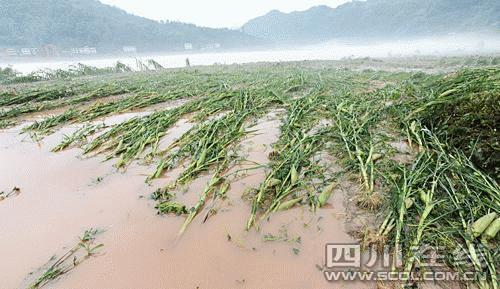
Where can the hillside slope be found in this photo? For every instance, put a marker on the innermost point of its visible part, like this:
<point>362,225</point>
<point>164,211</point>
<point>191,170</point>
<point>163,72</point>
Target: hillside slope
<point>378,18</point>
<point>77,23</point>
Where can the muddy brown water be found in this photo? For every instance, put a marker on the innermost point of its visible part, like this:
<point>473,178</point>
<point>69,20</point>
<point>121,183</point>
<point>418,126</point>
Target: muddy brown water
<point>60,198</point>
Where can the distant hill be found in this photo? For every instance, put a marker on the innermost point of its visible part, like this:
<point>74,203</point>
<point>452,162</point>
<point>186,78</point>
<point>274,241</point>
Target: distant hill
<point>78,23</point>
<point>378,18</point>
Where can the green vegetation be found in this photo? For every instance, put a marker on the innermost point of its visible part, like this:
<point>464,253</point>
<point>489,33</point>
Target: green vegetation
<point>377,19</point>
<point>74,23</point>
<point>84,249</point>
<point>443,193</point>
<point>7,74</point>
<point>463,110</point>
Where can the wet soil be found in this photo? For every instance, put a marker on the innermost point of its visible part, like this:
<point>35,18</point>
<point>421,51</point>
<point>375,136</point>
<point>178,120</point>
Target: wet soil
<point>63,194</point>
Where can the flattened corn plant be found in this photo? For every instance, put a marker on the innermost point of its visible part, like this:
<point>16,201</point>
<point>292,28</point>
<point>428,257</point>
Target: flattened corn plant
<point>355,118</point>
<point>436,201</point>
<point>463,109</point>
<point>208,143</point>
<point>291,157</point>
<point>84,249</point>
<point>22,102</point>
<point>211,145</point>
<point>441,198</point>
<point>57,94</point>
<point>145,89</point>
<point>130,139</point>
<point>133,102</point>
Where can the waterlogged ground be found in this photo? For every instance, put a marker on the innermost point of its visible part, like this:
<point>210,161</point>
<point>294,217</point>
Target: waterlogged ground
<point>63,194</point>
<point>265,164</point>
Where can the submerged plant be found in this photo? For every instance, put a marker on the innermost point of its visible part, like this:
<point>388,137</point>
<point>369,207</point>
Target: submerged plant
<point>83,250</point>
<point>445,193</point>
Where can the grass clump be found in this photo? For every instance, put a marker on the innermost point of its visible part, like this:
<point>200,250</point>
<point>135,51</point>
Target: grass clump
<point>355,117</point>
<point>165,204</point>
<point>436,202</point>
<point>463,110</point>
<point>171,208</point>
<point>441,197</point>
<point>291,158</point>
<point>7,74</point>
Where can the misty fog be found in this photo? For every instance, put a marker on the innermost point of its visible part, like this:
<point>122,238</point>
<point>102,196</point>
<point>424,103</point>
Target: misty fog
<point>451,45</point>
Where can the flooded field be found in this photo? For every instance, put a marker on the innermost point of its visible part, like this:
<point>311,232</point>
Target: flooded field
<point>237,176</point>
<point>62,195</point>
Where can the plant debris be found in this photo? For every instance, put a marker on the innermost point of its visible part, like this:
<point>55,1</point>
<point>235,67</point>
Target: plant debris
<point>444,194</point>
<point>84,249</point>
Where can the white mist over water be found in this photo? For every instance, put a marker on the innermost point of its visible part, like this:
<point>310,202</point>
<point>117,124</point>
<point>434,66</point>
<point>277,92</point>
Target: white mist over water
<point>452,45</point>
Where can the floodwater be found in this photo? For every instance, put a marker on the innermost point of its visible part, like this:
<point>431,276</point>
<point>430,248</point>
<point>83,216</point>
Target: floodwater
<point>63,194</point>
<point>448,45</point>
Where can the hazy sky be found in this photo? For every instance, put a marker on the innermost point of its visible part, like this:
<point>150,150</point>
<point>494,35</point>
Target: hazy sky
<point>213,13</point>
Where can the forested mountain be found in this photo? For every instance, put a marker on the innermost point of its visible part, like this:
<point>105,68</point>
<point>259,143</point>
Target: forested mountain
<point>77,23</point>
<point>378,18</point>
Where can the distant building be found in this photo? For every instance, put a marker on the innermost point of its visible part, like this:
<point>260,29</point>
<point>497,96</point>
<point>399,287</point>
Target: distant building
<point>28,52</point>
<point>50,50</point>
<point>87,50</point>
<point>10,52</point>
<point>67,52</point>
<point>84,51</point>
<point>25,51</point>
<point>212,46</point>
<point>129,49</point>
<point>188,46</point>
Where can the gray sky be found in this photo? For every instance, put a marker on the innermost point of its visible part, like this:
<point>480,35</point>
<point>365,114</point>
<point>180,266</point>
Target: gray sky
<point>213,13</point>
